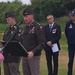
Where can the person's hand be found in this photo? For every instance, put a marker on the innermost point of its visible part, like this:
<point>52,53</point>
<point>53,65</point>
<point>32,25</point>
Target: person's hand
<point>49,43</point>
<point>1,57</point>
<point>30,54</point>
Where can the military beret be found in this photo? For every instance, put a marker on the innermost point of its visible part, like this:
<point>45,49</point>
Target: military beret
<point>28,11</point>
<point>10,14</point>
<point>72,13</point>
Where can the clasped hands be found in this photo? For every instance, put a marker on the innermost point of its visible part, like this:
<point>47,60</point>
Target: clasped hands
<point>49,43</point>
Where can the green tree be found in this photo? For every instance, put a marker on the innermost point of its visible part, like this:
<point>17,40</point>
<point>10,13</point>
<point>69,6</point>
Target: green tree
<point>11,6</point>
<point>56,7</point>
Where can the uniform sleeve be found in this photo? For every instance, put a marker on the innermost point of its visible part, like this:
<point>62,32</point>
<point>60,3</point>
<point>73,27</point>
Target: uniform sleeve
<point>3,36</point>
<point>40,39</point>
<point>45,34</point>
<point>6,31</point>
<point>58,36</point>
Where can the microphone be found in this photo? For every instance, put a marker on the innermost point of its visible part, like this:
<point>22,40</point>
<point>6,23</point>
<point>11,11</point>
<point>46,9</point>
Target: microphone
<point>19,23</point>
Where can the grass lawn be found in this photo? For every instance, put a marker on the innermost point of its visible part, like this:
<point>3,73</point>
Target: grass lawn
<point>63,60</point>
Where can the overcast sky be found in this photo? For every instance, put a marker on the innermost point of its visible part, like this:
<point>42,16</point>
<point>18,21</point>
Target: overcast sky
<point>23,1</point>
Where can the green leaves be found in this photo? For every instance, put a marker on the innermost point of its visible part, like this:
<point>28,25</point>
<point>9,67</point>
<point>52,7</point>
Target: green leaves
<point>41,8</point>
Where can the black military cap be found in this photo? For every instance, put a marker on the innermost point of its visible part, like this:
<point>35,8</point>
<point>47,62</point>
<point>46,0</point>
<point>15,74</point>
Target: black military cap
<point>72,13</point>
<point>10,14</point>
<point>28,11</point>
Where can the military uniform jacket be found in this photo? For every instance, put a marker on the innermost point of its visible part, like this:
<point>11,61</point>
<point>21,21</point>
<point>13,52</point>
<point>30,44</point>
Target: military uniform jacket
<point>70,32</point>
<point>33,38</point>
<point>8,33</point>
<point>54,35</point>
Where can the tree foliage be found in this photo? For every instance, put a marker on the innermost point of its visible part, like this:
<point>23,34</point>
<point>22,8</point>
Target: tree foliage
<point>56,7</point>
<point>41,8</point>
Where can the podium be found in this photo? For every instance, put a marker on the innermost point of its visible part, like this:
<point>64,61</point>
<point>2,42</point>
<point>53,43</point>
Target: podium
<point>15,48</point>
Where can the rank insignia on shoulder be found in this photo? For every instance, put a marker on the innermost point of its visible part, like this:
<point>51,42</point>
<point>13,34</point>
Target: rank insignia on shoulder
<point>41,28</point>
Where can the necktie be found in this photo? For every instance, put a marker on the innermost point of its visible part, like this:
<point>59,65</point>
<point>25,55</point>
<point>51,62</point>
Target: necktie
<point>50,27</point>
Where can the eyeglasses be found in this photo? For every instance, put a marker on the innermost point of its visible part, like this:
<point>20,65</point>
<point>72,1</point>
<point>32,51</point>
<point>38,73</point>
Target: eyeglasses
<point>49,18</point>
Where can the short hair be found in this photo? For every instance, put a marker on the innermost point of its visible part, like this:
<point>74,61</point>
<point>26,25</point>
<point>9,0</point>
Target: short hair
<point>50,15</point>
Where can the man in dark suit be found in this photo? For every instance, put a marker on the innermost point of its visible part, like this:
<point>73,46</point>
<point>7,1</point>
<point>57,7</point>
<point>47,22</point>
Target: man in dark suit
<point>52,35</point>
<point>70,35</point>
